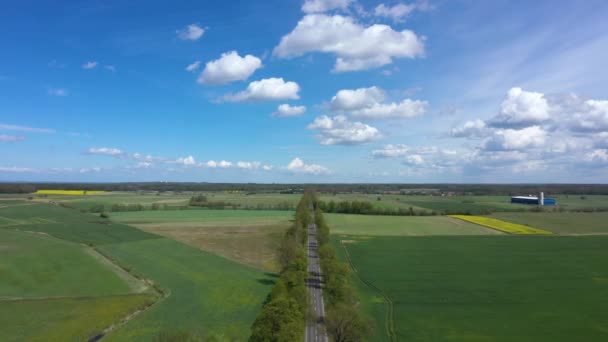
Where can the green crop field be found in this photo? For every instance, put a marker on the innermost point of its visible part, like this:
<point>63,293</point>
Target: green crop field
<point>377,225</point>
<point>561,223</point>
<point>250,237</point>
<point>206,292</point>
<point>202,292</point>
<point>487,288</point>
<point>37,265</point>
<point>65,319</point>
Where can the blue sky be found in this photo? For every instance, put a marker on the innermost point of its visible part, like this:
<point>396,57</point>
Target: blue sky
<point>304,91</point>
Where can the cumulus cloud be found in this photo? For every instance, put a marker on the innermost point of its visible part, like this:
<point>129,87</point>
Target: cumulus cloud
<point>522,108</point>
<point>248,165</point>
<point>353,99</point>
<point>90,65</point>
<point>10,138</point>
<point>110,68</point>
<point>222,164</point>
<point>599,156</point>
<point>512,139</point>
<point>285,110</point>
<point>268,89</point>
<point>367,103</point>
<point>590,116</point>
<point>338,130</point>
<point>397,13</point>
<point>297,165</point>
<point>58,92</point>
<point>228,68</point>
<point>317,6</point>
<point>391,151</point>
<point>356,47</point>
<point>186,161</point>
<point>191,32</point>
<point>471,129</point>
<point>107,151</point>
<point>194,66</point>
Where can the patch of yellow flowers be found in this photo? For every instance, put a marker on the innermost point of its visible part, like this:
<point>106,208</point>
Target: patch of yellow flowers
<point>69,192</point>
<point>503,226</point>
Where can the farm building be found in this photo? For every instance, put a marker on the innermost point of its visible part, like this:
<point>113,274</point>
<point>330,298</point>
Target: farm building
<point>535,200</point>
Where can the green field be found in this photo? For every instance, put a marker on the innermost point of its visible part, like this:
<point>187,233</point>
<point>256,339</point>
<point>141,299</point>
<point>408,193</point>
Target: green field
<point>206,293</point>
<point>40,266</point>
<point>202,292</point>
<point>561,223</point>
<point>250,237</point>
<point>347,224</point>
<point>487,288</point>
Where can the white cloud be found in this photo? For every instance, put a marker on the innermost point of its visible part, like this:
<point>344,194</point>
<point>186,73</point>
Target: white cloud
<point>511,139</point>
<point>404,109</point>
<point>471,129</point>
<point>338,130</point>
<point>193,67</point>
<point>90,65</point>
<point>317,6</point>
<point>599,156</point>
<point>297,165</point>
<point>10,138</point>
<point>391,151</point>
<point>224,164</point>
<point>143,165</point>
<point>108,151</point>
<point>186,161</point>
<point>396,13</point>
<point>191,32</point>
<point>271,89</point>
<point>248,165</point>
<point>89,169</point>
<point>285,110</point>
<point>591,116</point>
<point>110,68</point>
<point>522,108</point>
<point>15,169</point>
<point>414,159</point>
<point>356,47</point>
<point>352,99</point>
<point>228,68</point>
<point>367,103</point>
<point>211,164</point>
<point>58,92</point>
<point>8,127</point>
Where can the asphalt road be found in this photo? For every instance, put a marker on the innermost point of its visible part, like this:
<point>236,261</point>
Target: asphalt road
<point>315,330</point>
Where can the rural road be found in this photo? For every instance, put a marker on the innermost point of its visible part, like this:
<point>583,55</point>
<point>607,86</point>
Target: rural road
<point>315,331</point>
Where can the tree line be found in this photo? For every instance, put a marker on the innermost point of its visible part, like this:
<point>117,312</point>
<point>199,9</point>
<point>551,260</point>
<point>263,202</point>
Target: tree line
<point>343,320</point>
<point>283,316</point>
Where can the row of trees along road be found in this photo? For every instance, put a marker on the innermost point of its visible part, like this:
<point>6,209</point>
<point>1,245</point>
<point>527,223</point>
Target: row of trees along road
<point>282,317</point>
<point>343,321</point>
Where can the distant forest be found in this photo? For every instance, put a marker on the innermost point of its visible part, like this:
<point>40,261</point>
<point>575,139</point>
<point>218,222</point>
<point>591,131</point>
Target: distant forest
<point>405,189</point>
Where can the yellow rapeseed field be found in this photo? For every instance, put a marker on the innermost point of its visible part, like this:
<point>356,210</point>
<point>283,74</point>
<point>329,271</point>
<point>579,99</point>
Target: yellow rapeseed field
<point>68,192</point>
<point>503,226</point>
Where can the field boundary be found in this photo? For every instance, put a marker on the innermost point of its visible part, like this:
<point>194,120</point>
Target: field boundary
<point>389,325</point>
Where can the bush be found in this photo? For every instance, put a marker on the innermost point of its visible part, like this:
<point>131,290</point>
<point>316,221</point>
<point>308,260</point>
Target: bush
<point>104,215</point>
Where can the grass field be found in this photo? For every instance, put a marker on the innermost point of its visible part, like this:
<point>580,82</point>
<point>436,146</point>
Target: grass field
<point>204,292</point>
<point>64,319</point>
<point>250,237</point>
<point>207,293</point>
<point>488,288</point>
<point>561,223</point>
<point>402,225</point>
<point>503,226</point>
<point>40,266</point>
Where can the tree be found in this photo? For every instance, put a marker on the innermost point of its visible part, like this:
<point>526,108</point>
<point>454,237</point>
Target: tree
<point>344,324</point>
